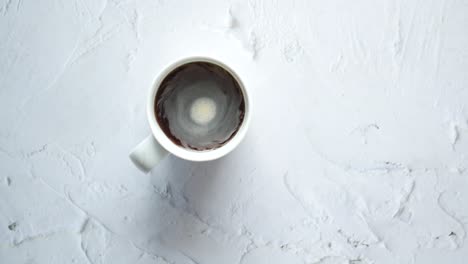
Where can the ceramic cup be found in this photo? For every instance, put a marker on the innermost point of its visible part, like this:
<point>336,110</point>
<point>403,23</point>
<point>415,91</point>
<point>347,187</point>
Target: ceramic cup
<point>156,146</point>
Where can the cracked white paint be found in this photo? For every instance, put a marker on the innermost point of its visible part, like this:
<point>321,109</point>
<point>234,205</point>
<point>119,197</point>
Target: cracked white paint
<point>357,151</point>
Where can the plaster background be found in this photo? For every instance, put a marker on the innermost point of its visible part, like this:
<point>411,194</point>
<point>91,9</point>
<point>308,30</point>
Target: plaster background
<point>357,150</point>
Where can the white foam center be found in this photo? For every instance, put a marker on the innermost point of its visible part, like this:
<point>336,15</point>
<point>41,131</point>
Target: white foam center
<point>203,110</point>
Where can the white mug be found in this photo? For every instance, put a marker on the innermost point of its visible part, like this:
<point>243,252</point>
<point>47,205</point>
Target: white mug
<point>156,146</point>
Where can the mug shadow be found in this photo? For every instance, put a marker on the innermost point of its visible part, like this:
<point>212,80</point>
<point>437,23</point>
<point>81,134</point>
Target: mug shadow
<point>189,234</point>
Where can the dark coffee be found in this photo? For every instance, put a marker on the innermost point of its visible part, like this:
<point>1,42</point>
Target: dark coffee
<point>199,105</point>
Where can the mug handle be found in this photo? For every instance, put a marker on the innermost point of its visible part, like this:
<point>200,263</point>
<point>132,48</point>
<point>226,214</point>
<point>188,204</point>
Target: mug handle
<point>148,154</point>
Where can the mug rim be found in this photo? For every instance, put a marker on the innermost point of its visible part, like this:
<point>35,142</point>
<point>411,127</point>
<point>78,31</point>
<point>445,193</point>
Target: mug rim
<point>185,153</point>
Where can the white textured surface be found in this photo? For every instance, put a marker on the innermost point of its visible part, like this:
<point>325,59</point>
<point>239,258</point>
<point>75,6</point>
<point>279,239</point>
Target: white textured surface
<point>357,151</point>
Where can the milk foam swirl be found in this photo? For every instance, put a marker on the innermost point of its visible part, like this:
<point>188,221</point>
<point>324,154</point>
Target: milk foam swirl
<point>199,106</point>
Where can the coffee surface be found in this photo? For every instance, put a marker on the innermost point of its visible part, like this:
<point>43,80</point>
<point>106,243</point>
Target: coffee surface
<point>199,106</point>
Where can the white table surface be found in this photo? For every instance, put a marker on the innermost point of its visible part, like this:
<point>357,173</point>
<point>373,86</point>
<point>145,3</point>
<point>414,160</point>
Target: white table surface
<point>357,150</point>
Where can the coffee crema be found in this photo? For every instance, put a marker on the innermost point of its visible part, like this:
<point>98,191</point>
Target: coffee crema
<point>200,106</point>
